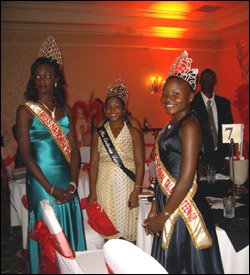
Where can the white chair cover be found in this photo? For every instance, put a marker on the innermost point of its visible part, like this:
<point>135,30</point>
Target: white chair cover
<point>86,262</point>
<point>94,240</point>
<point>85,154</point>
<point>124,257</point>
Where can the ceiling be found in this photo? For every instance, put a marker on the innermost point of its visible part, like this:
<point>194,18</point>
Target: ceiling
<point>205,20</point>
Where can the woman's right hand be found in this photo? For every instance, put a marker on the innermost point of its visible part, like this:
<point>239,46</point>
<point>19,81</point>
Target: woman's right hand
<point>152,214</point>
<point>92,197</point>
<point>61,195</point>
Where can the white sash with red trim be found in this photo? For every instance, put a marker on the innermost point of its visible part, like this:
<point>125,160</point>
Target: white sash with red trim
<point>56,131</point>
<point>187,209</point>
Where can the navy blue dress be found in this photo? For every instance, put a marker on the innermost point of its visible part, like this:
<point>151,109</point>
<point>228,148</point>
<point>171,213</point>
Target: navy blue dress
<point>181,256</point>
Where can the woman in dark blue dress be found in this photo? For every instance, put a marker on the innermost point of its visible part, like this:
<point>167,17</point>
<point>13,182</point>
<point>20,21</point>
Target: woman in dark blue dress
<point>185,240</point>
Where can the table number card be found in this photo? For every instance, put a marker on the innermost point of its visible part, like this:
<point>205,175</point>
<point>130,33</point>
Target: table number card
<point>232,131</point>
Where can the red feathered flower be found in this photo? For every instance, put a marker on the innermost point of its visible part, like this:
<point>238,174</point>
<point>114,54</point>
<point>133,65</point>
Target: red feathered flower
<point>241,102</point>
<point>83,106</point>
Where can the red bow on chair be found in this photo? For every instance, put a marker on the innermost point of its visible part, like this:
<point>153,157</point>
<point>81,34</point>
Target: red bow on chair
<point>98,219</point>
<point>25,202</point>
<point>49,244</point>
<point>85,167</point>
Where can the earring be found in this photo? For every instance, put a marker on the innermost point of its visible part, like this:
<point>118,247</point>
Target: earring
<point>56,85</point>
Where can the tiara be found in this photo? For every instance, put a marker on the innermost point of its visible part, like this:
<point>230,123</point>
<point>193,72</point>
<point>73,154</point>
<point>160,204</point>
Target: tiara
<point>182,68</point>
<point>51,50</point>
<point>118,88</point>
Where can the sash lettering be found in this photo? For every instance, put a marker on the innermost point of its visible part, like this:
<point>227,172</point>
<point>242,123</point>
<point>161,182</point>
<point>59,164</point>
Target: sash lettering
<point>187,210</point>
<point>113,153</point>
<point>52,126</point>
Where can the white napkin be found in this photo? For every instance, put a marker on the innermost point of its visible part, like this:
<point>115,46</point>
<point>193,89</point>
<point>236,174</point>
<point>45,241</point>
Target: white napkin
<point>222,177</point>
<point>217,203</point>
<point>217,177</point>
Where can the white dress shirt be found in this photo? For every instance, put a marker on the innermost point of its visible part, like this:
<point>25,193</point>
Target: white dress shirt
<point>213,106</point>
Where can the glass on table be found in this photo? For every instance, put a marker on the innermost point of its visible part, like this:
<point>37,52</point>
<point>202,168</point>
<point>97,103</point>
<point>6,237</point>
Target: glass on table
<point>239,174</point>
<point>211,172</point>
<point>229,207</point>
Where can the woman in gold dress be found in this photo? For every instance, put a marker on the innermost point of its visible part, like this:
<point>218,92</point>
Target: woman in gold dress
<point>110,186</point>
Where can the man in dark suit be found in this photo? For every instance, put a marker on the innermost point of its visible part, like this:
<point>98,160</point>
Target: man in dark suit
<point>214,151</point>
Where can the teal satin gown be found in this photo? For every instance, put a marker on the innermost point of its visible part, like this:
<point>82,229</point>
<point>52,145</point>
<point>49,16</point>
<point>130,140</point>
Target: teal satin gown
<point>57,170</point>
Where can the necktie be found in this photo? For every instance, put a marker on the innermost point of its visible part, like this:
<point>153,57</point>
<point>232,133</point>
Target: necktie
<point>212,124</point>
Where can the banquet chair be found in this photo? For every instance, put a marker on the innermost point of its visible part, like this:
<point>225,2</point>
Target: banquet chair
<point>123,257</point>
<point>85,262</point>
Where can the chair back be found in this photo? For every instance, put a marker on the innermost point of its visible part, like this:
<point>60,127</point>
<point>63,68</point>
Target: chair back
<point>67,265</point>
<point>86,262</point>
<point>123,257</point>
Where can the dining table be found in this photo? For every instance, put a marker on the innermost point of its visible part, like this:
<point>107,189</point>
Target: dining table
<point>233,234</point>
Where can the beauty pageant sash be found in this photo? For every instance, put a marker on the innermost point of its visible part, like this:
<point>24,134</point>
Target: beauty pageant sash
<point>113,153</point>
<point>55,130</point>
<point>187,209</point>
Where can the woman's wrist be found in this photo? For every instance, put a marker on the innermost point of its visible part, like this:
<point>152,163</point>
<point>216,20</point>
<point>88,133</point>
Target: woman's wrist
<point>165,214</point>
<point>52,190</point>
<point>73,184</point>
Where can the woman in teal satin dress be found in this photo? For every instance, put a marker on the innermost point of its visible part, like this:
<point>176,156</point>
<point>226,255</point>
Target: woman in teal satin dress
<point>49,174</point>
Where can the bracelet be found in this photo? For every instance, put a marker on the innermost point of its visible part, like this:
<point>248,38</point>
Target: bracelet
<point>166,213</point>
<point>51,190</point>
<point>72,183</point>
<point>138,186</point>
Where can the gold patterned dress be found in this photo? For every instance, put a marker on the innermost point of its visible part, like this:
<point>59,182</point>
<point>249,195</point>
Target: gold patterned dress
<point>114,186</point>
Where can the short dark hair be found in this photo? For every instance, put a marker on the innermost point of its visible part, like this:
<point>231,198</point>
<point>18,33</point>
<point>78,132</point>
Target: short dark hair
<point>126,112</point>
<point>59,95</point>
<point>208,71</point>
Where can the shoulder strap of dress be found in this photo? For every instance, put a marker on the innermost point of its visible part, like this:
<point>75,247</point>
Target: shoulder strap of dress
<point>53,127</point>
<point>113,153</point>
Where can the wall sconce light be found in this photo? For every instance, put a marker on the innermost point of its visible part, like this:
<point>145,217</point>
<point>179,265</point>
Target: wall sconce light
<point>157,84</point>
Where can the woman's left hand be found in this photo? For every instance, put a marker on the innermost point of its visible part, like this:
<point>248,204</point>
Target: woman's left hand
<point>70,190</point>
<point>133,200</point>
<point>68,194</point>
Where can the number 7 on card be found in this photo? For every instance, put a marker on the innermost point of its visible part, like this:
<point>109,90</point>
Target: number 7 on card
<point>232,131</point>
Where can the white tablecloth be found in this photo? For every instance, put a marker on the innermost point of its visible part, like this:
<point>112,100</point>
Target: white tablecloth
<point>83,190</point>
<point>18,213</point>
<point>233,262</point>
<point>143,241</point>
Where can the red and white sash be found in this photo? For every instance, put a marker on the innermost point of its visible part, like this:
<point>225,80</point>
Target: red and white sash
<point>56,131</point>
<point>187,209</point>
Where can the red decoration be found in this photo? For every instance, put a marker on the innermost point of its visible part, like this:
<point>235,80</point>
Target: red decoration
<point>25,202</point>
<point>98,219</point>
<point>49,244</point>
<point>241,102</point>
<point>85,167</point>
<point>93,110</point>
<point>110,271</point>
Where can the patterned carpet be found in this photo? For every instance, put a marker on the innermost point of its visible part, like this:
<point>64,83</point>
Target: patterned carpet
<point>13,258</point>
